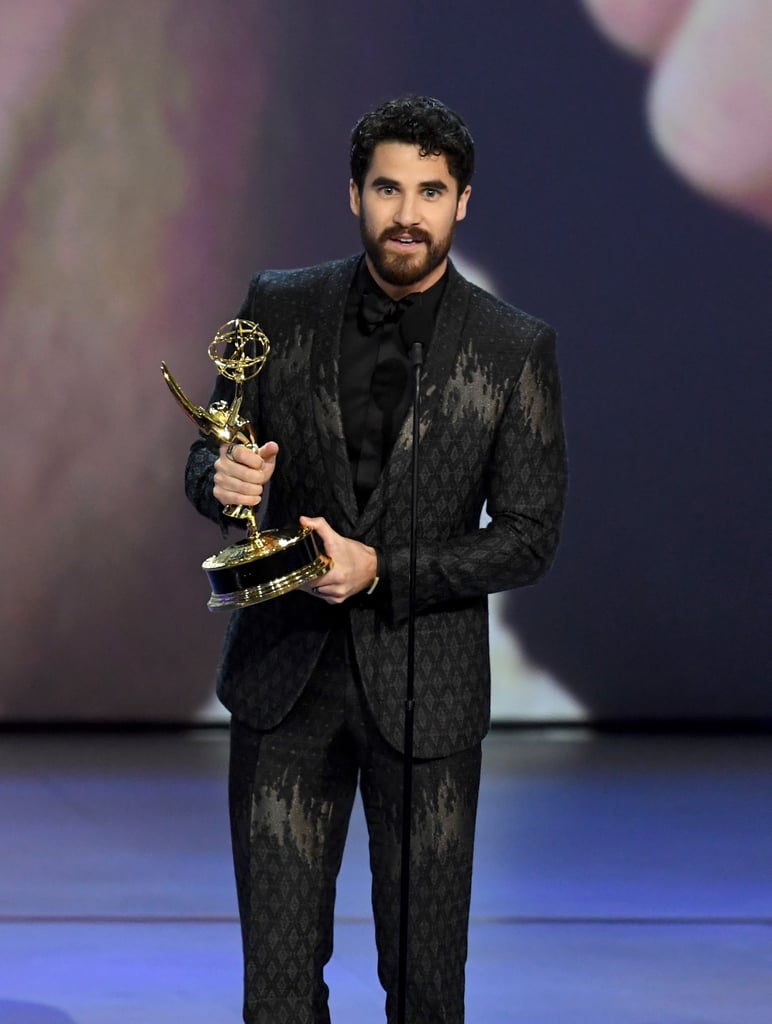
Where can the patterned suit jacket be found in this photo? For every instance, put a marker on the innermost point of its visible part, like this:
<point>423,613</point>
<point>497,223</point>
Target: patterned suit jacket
<point>490,430</point>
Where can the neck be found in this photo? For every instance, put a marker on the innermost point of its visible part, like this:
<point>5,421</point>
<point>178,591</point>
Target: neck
<point>397,292</point>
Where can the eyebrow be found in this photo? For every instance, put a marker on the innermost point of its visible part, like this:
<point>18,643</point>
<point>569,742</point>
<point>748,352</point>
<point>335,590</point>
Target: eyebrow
<point>438,186</point>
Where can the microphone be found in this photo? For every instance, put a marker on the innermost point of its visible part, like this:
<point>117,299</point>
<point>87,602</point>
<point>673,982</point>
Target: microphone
<point>415,329</point>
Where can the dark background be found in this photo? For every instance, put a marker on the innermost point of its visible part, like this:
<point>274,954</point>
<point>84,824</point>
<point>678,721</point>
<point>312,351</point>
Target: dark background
<point>658,604</point>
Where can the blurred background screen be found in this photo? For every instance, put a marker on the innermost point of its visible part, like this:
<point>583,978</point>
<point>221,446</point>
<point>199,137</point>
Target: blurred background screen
<point>154,155</point>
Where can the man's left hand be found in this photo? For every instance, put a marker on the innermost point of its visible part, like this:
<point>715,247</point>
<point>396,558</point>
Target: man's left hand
<point>354,565</point>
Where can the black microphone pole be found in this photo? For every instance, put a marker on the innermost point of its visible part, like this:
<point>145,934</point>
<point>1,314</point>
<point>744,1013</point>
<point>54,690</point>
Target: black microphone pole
<point>416,352</point>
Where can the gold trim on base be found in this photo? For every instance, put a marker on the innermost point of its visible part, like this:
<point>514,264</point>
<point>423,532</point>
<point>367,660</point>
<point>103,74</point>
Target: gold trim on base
<point>275,588</point>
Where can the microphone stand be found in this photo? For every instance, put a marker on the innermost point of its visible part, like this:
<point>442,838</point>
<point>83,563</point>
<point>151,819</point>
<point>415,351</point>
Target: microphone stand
<point>416,353</point>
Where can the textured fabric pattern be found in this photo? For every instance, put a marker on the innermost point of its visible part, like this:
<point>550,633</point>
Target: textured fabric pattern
<point>491,429</point>
<point>291,794</point>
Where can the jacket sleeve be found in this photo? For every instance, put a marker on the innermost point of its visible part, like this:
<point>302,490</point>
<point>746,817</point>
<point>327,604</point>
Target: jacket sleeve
<point>525,488</point>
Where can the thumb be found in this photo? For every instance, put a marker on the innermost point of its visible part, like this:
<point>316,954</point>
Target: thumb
<point>325,532</point>
<point>327,535</point>
<point>269,451</point>
<point>318,523</point>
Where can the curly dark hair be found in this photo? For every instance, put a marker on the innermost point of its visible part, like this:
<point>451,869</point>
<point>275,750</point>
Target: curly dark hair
<point>421,121</point>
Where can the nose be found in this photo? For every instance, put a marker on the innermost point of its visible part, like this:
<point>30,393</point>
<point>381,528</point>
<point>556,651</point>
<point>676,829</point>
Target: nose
<point>406,213</point>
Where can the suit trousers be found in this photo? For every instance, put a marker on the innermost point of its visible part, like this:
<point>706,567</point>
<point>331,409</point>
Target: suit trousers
<point>291,791</point>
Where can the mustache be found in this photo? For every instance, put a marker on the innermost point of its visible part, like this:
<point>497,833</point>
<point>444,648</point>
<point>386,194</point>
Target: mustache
<point>415,233</point>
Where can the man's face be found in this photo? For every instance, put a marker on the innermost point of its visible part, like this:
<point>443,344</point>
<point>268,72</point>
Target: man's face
<point>407,210</point>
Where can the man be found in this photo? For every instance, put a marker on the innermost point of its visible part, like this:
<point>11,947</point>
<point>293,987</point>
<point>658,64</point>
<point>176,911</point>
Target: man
<point>315,680</point>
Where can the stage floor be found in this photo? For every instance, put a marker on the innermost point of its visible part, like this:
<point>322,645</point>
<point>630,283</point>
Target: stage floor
<point>619,879</point>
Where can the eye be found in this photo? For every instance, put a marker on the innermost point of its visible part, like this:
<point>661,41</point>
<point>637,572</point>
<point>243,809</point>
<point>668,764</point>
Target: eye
<point>387,190</point>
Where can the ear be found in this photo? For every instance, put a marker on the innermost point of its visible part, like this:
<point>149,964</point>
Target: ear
<point>463,199</point>
<point>354,198</point>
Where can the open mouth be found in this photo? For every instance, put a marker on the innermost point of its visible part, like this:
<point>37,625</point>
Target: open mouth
<point>405,242</point>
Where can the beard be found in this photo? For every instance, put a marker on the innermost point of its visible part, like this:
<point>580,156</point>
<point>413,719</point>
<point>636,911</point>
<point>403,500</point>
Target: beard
<point>404,269</point>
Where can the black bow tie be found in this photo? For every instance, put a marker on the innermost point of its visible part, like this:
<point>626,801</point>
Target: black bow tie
<point>375,309</point>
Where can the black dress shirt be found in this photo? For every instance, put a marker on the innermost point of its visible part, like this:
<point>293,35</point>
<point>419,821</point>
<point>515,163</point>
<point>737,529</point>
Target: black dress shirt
<point>375,372</point>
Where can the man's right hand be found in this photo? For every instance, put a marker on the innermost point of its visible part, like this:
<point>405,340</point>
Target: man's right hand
<point>241,476</point>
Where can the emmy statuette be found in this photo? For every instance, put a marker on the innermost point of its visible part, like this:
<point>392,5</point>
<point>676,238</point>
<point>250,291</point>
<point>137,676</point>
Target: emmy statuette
<point>264,564</point>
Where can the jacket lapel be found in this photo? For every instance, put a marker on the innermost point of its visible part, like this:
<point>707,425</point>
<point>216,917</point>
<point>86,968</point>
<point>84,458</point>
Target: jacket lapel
<point>325,363</point>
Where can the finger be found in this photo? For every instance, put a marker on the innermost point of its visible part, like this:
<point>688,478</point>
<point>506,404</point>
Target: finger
<point>268,451</point>
<point>313,522</point>
<point>234,491</point>
<point>241,464</point>
<point>238,454</point>
<point>330,540</point>
<point>238,500</point>
<point>236,473</point>
<point>234,484</point>
<point>321,526</point>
